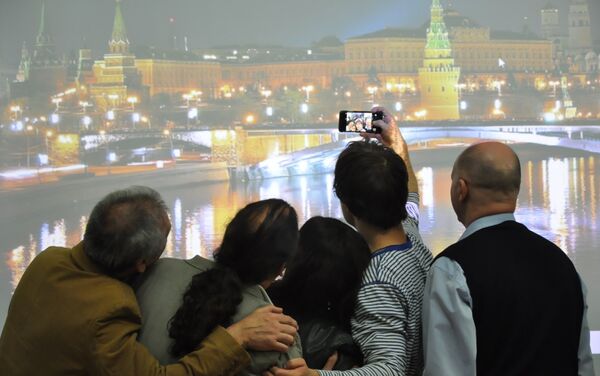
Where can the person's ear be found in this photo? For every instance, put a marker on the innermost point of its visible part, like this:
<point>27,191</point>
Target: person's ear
<point>140,266</point>
<point>348,216</point>
<point>463,190</point>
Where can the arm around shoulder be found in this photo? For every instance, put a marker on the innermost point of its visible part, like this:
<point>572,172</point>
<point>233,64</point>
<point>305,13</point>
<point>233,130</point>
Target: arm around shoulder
<point>117,352</point>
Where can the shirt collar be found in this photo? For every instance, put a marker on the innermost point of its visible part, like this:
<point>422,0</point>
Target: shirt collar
<point>393,248</point>
<point>488,221</point>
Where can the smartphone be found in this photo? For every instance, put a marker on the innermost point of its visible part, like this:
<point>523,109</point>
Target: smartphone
<point>359,121</point>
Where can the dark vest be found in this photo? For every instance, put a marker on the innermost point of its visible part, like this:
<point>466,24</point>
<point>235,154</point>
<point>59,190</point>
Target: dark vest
<point>527,301</point>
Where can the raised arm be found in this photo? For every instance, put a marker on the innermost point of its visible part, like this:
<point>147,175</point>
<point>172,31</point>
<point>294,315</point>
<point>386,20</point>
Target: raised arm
<point>391,137</point>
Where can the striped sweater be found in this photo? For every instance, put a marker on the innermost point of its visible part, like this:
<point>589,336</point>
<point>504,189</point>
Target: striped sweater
<point>387,318</point>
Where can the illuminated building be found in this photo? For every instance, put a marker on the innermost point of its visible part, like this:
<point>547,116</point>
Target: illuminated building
<point>275,67</point>
<point>116,76</point>
<point>438,78</point>
<point>171,74</point>
<point>397,54</point>
<point>550,22</point>
<point>85,64</point>
<point>580,30</point>
<point>122,74</point>
<point>41,71</point>
<point>389,59</point>
<point>283,73</point>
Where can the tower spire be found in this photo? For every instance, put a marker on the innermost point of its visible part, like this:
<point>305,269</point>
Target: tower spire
<point>438,78</point>
<point>43,37</point>
<point>438,44</point>
<point>119,42</point>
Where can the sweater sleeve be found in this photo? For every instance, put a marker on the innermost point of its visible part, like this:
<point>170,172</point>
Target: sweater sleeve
<point>380,329</point>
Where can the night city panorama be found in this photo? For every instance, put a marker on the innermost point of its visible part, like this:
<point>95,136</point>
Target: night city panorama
<point>447,67</point>
<point>216,105</point>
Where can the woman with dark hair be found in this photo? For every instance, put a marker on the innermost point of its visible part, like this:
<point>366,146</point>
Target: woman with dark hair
<point>319,290</point>
<point>256,245</point>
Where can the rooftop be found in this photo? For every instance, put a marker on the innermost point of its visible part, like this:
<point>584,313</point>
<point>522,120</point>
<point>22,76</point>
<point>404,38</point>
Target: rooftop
<point>453,19</point>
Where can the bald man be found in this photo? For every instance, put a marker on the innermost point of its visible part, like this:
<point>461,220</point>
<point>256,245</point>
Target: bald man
<point>502,300</point>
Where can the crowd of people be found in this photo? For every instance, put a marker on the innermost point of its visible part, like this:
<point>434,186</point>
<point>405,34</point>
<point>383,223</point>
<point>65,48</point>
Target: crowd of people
<point>364,297</point>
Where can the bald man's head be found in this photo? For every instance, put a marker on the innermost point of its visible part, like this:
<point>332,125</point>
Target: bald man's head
<point>492,167</point>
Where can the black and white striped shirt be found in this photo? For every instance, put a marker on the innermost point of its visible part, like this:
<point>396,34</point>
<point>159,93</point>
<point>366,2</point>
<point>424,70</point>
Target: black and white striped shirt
<point>387,318</point>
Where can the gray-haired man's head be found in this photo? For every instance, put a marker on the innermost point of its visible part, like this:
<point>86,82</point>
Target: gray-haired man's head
<point>126,229</point>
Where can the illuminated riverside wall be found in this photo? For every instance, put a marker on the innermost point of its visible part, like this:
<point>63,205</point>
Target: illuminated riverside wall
<point>246,147</point>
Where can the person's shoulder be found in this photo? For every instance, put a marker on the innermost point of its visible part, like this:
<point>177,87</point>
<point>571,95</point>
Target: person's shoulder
<point>165,277</point>
<point>172,266</point>
<point>53,253</point>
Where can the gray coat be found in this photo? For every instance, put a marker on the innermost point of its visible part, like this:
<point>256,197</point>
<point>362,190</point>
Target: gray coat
<point>160,294</point>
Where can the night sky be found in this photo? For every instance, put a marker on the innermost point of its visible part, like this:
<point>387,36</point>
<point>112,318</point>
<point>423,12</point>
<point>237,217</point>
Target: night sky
<point>225,22</point>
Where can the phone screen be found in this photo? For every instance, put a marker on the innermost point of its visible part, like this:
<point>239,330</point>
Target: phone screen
<point>357,121</point>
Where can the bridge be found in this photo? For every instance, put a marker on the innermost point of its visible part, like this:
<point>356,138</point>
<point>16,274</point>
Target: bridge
<point>321,159</point>
<point>263,152</point>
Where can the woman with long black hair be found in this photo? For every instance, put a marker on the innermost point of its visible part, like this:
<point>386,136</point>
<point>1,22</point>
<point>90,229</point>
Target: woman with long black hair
<point>319,290</point>
<point>256,245</point>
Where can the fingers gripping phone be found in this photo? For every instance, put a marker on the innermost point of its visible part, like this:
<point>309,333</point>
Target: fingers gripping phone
<point>359,121</point>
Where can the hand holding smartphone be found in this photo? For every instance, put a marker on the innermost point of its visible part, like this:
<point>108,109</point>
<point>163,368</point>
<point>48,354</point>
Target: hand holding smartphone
<point>359,121</point>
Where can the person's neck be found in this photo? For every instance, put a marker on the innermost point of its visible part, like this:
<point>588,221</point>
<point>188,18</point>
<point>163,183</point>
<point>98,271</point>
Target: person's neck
<point>378,239</point>
<point>494,208</point>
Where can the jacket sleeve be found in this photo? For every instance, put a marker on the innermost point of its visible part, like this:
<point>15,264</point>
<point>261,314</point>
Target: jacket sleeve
<point>117,352</point>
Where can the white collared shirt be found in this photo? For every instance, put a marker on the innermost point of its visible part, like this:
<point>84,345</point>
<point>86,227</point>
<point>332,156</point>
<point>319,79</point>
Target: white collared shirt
<point>449,335</point>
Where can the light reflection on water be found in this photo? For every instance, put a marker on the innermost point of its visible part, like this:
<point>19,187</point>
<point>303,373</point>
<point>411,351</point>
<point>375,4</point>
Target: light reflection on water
<point>558,200</point>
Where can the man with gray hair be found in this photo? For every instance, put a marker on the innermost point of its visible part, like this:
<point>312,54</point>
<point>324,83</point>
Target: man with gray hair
<point>502,300</point>
<point>74,313</point>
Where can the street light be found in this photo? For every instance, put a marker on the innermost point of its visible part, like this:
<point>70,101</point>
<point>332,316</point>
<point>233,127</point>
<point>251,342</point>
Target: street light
<point>48,135</point>
<point>304,108</point>
<point>54,118</point>
<point>132,101</point>
<point>372,90</point>
<point>86,120</point>
<point>57,102</point>
<point>192,114</point>
<point>554,84</point>
<point>308,89</point>
<point>16,110</point>
<point>266,93</point>
<point>167,133</point>
<point>84,105</point>
<point>135,118</point>
<point>497,104</point>
<point>498,85</point>
<point>28,130</point>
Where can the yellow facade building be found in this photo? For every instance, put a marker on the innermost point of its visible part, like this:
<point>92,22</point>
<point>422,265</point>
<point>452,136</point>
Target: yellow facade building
<point>483,55</point>
<point>394,59</point>
<point>275,75</point>
<point>179,76</point>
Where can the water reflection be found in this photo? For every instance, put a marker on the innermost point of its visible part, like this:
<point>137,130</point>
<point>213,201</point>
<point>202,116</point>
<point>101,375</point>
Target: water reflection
<point>558,199</point>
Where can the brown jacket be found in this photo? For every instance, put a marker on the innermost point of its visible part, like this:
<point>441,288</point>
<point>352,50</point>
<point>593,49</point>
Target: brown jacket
<point>67,318</point>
